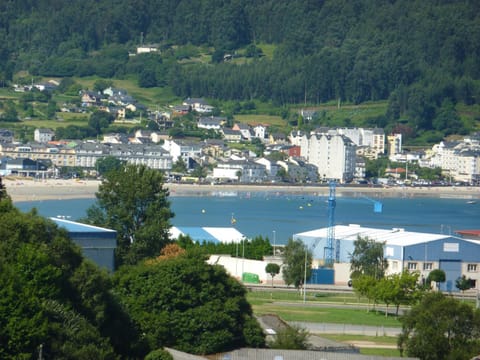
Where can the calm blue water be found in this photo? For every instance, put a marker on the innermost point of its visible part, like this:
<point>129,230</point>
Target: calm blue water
<point>263,213</point>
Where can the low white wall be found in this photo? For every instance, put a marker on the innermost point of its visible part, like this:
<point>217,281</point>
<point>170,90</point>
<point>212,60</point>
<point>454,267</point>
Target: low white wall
<point>237,266</point>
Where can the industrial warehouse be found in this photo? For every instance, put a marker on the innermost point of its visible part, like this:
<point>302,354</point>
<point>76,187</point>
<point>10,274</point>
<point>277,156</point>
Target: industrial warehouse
<point>404,250</point>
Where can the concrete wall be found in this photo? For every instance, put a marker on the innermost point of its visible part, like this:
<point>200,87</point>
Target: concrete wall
<point>236,266</point>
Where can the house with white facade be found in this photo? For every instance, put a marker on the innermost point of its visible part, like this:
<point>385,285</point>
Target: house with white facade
<point>198,104</point>
<point>244,130</point>
<point>231,135</point>
<point>43,135</point>
<point>259,131</point>
<point>183,149</point>
<point>211,122</point>
<point>245,171</point>
<point>271,167</point>
<point>334,155</point>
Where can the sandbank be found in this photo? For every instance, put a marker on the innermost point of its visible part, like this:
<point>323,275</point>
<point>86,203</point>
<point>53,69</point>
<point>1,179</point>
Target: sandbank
<point>25,189</point>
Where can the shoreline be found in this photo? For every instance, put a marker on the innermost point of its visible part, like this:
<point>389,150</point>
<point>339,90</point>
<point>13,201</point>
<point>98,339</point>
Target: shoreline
<point>21,190</point>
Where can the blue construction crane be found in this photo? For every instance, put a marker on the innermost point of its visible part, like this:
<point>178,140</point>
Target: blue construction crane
<point>377,205</point>
<point>329,248</point>
<point>328,251</point>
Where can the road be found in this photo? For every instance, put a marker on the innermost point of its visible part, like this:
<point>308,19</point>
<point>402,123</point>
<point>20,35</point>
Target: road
<point>324,328</point>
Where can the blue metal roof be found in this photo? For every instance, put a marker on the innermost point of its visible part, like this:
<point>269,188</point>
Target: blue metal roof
<point>198,234</point>
<point>78,228</point>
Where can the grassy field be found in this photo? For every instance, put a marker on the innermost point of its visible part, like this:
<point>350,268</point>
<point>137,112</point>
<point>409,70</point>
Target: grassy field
<point>369,345</point>
<point>290,307</point>
<point>324,308</point>
<point>260,119</point>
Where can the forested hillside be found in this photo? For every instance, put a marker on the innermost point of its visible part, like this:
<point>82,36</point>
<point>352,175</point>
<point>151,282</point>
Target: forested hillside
<point>421,55</point>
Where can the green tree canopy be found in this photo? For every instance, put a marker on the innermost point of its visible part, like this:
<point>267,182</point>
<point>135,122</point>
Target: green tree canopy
<point>440,327</point>
<point>297,261</point>
<point>186,304</point>
<point>291,338</point>
<point>437,276</point>
<point>272,269</point>
<point>368,259</point>
<point>108,163</point>
<point>53,299</point>
<point>133,201</point>
<point>462,283</point>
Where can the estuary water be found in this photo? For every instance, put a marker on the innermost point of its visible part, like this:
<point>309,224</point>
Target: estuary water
<point>278,216</point>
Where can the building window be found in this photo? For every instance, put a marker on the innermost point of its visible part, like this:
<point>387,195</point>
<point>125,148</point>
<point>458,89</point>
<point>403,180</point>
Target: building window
<point>427,266</point>
<point>394,265</point>
<point>412,266</point>
<point>472,267</point>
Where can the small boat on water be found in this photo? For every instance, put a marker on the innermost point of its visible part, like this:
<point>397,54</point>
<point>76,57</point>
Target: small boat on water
<point>471,202</point>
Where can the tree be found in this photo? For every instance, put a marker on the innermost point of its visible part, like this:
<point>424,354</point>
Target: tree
<point>51,109</point>
<point>108,163</point>
<point>436,275</point>
<point>100,120</point>
<point>10,113</point>
<point>440,327</point>
<point>272,269</point>
<point>179,166</point>
<point>462,283</point>
<point>53,298</point>
<point>368,259</point>
<point>365,285</point>
<point>399,289</point>
<point>3,191</point>
<point>133,201</point>
<point>185,303</point>
<point>102,84</point>
<point>290,338</point>
<point>297,261</point>
<point>159,355</point>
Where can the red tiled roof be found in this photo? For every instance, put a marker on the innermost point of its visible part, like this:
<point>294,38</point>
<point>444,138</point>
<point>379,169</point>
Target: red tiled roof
<point>468,232</point>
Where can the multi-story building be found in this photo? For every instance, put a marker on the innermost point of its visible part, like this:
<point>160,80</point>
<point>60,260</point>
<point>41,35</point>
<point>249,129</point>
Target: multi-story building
<point>186,150</point>
<point>334,155</point>
<point>245,171</point>
<point>59,155</point>
<point>394,144</point>
<point>374,138</point>
<point>460,160</point>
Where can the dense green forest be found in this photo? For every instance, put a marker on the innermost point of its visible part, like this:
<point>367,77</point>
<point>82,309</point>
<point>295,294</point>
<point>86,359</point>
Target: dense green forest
<point>423,56</point>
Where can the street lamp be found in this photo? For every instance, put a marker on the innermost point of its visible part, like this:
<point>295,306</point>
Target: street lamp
<point>274,243</point>
<point>305,278</point>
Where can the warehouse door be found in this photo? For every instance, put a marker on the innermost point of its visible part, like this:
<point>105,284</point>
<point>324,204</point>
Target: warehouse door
<point>453,270</point>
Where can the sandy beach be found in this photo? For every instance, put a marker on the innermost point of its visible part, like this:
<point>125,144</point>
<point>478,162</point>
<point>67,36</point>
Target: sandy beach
<point>24,189</point>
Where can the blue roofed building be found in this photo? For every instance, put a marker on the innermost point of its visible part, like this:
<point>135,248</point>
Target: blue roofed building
<point>214,235</point>
<point>403,250</point>
<point>97,244</point>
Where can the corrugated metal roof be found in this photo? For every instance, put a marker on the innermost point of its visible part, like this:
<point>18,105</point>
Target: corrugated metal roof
<point>395,236</point>
<point>76,227</point>
<point>208,234</point>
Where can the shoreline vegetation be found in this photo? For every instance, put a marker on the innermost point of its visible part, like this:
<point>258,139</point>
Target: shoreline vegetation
<point>25,189</point>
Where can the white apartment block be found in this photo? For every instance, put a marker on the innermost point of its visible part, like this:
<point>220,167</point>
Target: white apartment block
<point>372,138</point>
<point>333,155</point>
<point>458,159</point>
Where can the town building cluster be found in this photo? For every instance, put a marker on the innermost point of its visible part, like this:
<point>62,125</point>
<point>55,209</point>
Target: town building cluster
<point>319,155</point>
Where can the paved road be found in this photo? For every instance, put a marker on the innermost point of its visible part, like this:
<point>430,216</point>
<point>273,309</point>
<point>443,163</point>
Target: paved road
<point>319,328</point>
